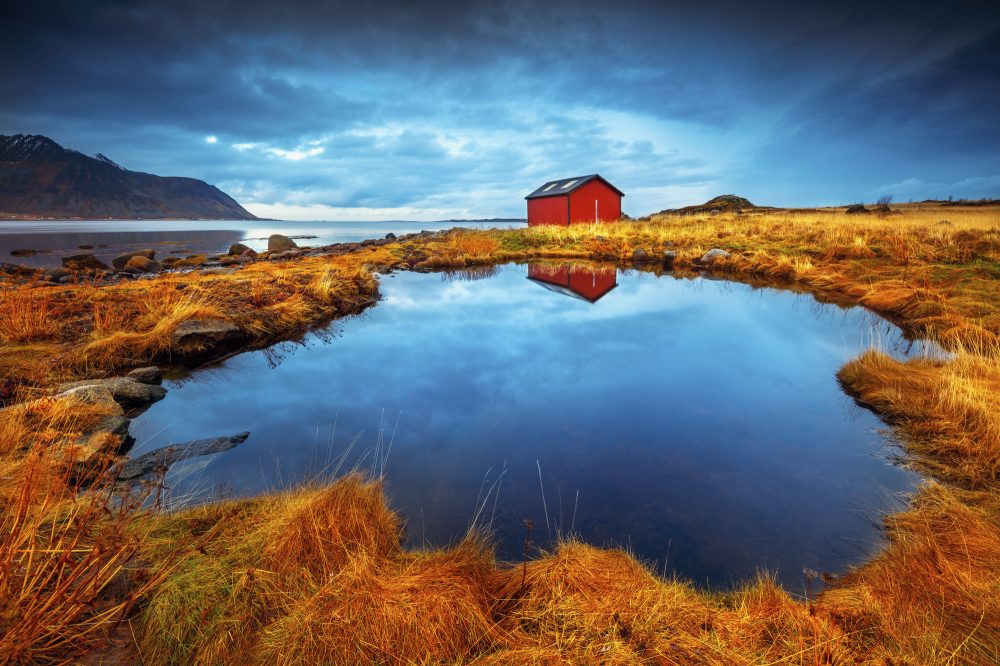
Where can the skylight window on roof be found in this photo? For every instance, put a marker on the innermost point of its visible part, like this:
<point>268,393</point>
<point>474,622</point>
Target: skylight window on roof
<point>550,186</point>
<point>567,185</point>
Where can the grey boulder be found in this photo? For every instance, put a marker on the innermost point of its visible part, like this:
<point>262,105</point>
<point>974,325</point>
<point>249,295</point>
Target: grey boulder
<point>143,264</point>
<point>279,243</point>
<point>205,332</point>
<point>150,375</point>
<point>712,255</point>
<point>126,391</point>
<point>83,262</point>
<point>160,460</point>
<point>640,256</point>
<point>121,260</point>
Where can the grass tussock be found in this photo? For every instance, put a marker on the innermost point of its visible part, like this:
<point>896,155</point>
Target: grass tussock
<point>946,411</point>
<point>931,598</point>
<point>26,314</point>
<point>317,575</point>
<point>53,568</point>
<point>425,607</point>
<point>68,568</point>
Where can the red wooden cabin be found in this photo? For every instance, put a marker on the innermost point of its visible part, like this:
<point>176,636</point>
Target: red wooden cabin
<point>585,283</point>
<point>575,201</point>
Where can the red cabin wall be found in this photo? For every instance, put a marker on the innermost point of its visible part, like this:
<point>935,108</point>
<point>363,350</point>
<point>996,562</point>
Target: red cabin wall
<point>548,210</point>
<point>591,283</point>
<point>581,204</point>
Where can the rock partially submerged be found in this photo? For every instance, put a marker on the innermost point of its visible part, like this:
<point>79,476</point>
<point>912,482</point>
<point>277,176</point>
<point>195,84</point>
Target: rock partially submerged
<point>279,243</point>
<point>149,375</point>
<point>198,334</point>
<point>158,461</point>
<point>640,256</point>
<point>83,262</point>
<point>122,260</point>
<point>143,264</point>
<point>128,392</point>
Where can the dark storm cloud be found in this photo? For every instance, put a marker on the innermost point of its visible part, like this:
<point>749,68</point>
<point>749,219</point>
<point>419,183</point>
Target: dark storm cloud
<point>464,106</point>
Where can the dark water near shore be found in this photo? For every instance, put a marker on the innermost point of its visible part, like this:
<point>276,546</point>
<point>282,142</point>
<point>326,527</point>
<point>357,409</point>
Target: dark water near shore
<point>697,422</point>
<point>108,239</point>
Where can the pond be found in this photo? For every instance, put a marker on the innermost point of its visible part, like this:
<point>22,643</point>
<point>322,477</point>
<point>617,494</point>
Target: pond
<point>697,422</point>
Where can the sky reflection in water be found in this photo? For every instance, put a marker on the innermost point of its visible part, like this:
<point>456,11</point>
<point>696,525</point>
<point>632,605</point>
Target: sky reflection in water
<point>700,421</point>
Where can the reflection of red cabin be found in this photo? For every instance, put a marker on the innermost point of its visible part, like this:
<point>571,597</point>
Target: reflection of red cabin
<point>575,201</point>
<point>589,284</point>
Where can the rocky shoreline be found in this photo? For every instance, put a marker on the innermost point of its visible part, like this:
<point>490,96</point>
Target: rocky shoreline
<point>143,264</point>
<point>106,443</point>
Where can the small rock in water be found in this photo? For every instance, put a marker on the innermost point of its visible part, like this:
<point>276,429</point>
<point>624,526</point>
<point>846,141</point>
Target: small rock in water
<point>143,264</point>
<point>668,259</point>
<point>159,460</point>
<point>279,243</point>
<point>149,375</point>
<point>24,252</point>
<point>640,256</point>
<point>83,262</point>
<point>85,247</point>
<point>121,260</point>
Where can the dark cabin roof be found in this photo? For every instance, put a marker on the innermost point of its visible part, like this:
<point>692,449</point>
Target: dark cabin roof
<point>555,188</point>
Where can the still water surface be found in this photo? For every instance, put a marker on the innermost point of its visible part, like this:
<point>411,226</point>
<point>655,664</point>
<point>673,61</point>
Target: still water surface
<point>697,422</point>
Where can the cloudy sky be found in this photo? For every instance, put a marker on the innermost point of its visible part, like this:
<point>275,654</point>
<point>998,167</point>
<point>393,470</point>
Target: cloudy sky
<point>424,110</point>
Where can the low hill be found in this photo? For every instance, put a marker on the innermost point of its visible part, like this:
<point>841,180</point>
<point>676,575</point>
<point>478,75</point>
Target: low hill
<point>41,179</point>
<point>727,203</point>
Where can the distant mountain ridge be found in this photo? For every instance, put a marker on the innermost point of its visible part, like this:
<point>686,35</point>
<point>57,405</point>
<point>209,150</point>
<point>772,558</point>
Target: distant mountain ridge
<point>41,179</point>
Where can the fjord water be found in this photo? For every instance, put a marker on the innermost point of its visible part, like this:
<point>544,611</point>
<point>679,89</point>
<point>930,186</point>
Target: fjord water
<point>697,422</point>
<point>105,239</point>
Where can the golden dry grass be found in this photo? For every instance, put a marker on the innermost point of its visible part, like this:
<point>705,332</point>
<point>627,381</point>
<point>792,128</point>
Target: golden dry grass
<point>26,314</point>
<point>68,572</point>
<point>88,330</point>
<point>317,575</point>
